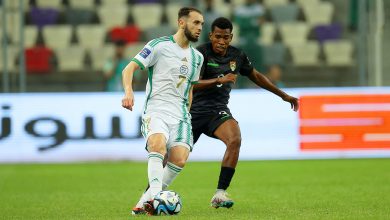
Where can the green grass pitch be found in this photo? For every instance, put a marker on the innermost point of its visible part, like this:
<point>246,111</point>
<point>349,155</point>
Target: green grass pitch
<point>295,189</point>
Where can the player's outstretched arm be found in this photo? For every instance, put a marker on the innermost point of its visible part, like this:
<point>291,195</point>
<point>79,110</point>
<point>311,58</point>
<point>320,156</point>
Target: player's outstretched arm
<point>208,83</point>
<point>127,81</point>
<point>262,81</point>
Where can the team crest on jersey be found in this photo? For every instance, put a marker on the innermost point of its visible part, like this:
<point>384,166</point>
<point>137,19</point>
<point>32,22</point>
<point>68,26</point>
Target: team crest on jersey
<point>233,65</point>
<point>184,70</point>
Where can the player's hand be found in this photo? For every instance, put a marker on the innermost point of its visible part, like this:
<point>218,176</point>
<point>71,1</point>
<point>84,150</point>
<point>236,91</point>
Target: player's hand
<point>128,101</point>
<point>228,78</point>
<point>293,101</point>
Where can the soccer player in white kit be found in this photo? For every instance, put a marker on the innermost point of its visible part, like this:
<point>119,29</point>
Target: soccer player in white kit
<point>173,68</point>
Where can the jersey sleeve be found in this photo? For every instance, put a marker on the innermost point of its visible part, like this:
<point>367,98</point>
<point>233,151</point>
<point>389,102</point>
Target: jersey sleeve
<point>146,57</point>
<point>199,68</point>
<point>247,66</point>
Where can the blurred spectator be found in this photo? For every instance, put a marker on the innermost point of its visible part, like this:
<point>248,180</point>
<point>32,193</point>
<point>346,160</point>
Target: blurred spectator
<point>128,34</point>
<point>248,17</point>
<point>43,16</point>
<point>209,15</point>
<point>353,14</point>
<point>275,76</point>
<point>146,1</point>
<point>113,67</point>
<point>39,59</point>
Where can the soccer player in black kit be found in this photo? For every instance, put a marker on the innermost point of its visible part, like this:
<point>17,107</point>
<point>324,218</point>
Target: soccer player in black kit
<point>210,114</point>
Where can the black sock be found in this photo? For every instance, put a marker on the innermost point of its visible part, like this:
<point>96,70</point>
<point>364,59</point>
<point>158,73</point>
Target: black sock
<point>225,177</point>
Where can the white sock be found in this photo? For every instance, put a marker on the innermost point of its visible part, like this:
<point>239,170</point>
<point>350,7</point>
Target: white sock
<point>144,198</point>
<point>155,172</point>
<point>170,173</point>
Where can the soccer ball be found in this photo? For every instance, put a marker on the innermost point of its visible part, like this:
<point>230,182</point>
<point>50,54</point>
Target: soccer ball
<point>167,202</point>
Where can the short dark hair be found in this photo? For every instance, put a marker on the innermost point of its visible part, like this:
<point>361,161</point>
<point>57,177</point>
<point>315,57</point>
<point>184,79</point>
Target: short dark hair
<point>185,11</point>
<point>222,23</point>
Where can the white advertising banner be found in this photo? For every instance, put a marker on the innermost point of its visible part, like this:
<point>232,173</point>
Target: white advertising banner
<point>62,127</point>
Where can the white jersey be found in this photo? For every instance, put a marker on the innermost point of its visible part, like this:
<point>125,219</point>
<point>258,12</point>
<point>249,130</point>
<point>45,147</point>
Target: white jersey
<point>171,72</point>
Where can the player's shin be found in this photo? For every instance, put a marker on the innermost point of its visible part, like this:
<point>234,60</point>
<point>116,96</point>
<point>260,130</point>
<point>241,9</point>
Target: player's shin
<point>225,177</point>
<point>221,197</point>
<point>155,172</point>
<point>170,173</point>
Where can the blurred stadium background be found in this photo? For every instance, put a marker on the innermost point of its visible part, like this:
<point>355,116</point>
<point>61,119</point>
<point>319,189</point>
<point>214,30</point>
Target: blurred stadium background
<point>56,107</point>
<point>318,43</point>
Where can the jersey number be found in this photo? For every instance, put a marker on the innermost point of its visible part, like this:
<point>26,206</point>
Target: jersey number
<point>181,81</point>
<point>220,76</point>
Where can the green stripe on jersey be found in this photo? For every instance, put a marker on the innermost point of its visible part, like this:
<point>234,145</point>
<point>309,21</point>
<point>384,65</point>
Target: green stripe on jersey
<point>173,40</point>
<point>158,40</point>
<point>139,63</point>
<point>189,134</point>
<point>150,77</point>
<point>180,132</point>
<point>193,64</point>
<point>213,64</point>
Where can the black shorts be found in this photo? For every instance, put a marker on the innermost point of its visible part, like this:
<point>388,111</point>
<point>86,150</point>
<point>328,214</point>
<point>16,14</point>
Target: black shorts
<point>208,123</point>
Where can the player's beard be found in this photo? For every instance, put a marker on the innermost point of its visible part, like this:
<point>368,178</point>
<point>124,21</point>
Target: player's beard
<point>189,36</point>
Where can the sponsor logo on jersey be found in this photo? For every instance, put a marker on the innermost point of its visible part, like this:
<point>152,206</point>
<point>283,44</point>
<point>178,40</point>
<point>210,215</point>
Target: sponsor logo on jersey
<point>145,52</point>
<point>224,115</point>
<point>233,65</point>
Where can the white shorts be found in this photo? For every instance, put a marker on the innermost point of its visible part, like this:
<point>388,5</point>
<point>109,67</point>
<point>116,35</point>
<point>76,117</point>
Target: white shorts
<point>176,132</point>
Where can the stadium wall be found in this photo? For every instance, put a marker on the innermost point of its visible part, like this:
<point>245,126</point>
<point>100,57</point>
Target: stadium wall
<point>64,127</point>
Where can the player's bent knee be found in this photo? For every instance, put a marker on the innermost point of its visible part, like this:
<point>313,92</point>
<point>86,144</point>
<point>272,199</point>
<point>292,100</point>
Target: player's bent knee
<point>157,148</point>
<point>180,162</point>
<point>178,159</point>
<point>178,156</point>
<point>157,144</point>
<point>234,143</point>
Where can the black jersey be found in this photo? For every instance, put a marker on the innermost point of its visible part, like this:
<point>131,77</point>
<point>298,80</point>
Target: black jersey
<point>215,99</point>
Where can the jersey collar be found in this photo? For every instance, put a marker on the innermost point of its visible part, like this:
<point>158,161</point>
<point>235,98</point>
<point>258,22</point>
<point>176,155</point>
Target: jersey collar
<point>171,38</point>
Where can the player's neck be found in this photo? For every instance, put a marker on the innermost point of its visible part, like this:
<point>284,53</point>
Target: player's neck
<point>181,40</point>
